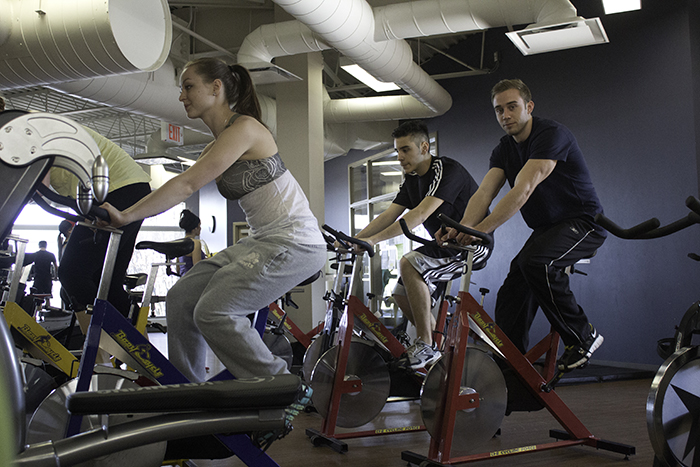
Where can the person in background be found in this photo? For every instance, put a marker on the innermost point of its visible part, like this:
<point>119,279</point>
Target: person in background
<point>80,267</point>
<point>64,230</point>
<point>209,306</point>
<point>44,269</point>
<point>552,188</point>
<point>431,186</point>
<point>191,224</point>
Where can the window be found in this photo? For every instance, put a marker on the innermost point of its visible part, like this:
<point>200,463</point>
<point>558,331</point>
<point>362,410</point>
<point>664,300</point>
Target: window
<point>35,224</point>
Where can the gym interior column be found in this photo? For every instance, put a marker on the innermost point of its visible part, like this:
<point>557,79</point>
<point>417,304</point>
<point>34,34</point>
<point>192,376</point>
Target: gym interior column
<point>300,141</point>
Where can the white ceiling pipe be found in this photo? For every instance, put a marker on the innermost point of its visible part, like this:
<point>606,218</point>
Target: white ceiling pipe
<point>5,20</point>
<point>372,109</point>
<point>277,40</point>
<point>60,40</point>
<point>432,17</point>
<point>153,94</point>
<point>348,26</point>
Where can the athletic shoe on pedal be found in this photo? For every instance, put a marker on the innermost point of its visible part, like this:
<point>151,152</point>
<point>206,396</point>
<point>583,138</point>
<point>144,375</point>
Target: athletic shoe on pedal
<point>263,439</point>
<point>420,355</point>
<point>576,356</point>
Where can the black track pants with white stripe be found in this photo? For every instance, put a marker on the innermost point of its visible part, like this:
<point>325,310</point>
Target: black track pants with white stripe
<point>537,278</point>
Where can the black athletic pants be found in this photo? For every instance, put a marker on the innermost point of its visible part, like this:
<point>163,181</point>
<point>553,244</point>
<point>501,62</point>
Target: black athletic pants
<point>81,265</point>
<point>537,278</point>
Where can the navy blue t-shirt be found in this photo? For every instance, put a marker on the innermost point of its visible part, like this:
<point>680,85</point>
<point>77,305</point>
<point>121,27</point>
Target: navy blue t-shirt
<point>447,180</point>
<point>568,192</point>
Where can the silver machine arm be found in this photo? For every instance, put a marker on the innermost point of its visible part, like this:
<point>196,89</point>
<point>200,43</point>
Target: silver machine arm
<point>31,137</point>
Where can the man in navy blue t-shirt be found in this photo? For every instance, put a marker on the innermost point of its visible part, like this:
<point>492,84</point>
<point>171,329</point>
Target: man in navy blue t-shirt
<point>432,185</point>
<point>551,187</point>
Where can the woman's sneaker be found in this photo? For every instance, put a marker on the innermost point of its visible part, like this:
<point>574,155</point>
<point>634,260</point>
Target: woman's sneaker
<point>263,439</point>
<point>575,356</point>
<point>420,355</point>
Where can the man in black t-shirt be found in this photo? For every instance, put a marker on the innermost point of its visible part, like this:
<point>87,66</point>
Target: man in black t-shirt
<point>432,185</point>
<point>44,269</point>
<point>552,189</point>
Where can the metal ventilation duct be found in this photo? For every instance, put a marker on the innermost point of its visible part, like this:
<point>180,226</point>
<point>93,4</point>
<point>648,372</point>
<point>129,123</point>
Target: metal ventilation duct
<point>62,40</point>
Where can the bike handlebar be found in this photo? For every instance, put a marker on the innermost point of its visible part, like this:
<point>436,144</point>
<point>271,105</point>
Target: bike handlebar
<point>341,237</point>
<point>693,203</point>
<point>651,228</point>
<point>46,192</point>
<point>632,232</point>
<point>486,239</point>
<point>411,236</point>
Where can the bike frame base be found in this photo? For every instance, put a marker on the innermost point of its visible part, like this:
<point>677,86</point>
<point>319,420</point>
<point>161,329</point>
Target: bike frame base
<point>576,433</point>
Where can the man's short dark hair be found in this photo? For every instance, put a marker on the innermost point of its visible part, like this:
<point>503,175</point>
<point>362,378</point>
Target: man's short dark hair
<point>42,244</point>
<point>414,128</point>
<point>507,84</point>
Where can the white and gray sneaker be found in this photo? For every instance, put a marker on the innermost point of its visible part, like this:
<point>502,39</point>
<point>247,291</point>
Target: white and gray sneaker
<point>420,355</point>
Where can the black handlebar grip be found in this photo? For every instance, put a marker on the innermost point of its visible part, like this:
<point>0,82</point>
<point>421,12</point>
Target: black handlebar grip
<point>411,236</point>
<point>99,212</point>
<point>348,239</point>
<point>631,233</point>
<point>486,239</point>
<point>693,203</point>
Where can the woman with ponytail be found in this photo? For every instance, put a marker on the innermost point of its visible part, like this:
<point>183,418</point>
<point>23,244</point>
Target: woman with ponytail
<point>210,304</point>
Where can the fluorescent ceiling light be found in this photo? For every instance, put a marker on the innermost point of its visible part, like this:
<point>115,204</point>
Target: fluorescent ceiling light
<point>390,174</point>
<point>385,162</point>
<point>369,80</point>
<point>618,6</point>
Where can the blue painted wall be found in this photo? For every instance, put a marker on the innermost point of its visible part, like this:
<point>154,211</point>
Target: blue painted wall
<point>634,106</point>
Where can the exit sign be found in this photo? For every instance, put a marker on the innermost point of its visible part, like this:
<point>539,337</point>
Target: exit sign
<point>172,133</point>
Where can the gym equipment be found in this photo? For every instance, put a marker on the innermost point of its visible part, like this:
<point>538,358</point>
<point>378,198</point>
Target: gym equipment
<point>172,250</point>
<point>30,144</point>
<point>278,322</point>
<point>673,415</point>
<point>465,400</point>
<point>343,262</point>
<point>357,375</point>
<point>161,413</point>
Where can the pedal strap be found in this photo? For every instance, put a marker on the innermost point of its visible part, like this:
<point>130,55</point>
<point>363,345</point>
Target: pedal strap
<point>254,393</point>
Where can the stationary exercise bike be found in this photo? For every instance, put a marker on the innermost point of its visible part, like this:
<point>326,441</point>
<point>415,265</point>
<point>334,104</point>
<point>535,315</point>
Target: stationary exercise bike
<point>31,144</point>
<point>360,372</point>
<point>465,397</point>
<point>673,404</point>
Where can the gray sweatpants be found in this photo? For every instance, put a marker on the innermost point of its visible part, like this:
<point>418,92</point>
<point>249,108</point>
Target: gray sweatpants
<point>209,305</point>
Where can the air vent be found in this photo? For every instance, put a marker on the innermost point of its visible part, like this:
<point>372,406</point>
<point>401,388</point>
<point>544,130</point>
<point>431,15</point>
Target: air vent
<point>267,73</point>
<point>539,39</point>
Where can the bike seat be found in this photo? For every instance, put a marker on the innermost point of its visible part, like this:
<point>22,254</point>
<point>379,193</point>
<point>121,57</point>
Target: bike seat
<point>171,249</point>
<point>131,281</point>
<point>310,279</point>
<point>266,392</point>
<point>6,261</point>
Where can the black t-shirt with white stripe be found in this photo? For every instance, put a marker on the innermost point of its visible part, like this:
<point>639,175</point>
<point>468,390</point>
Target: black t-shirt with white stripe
<point>447,180</point>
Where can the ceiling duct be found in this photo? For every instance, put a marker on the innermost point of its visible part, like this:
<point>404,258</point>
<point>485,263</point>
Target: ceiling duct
<point>62,40</point>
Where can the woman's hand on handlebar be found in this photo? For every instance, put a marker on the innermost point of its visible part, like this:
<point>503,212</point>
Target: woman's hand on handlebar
<point>116,217</point>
